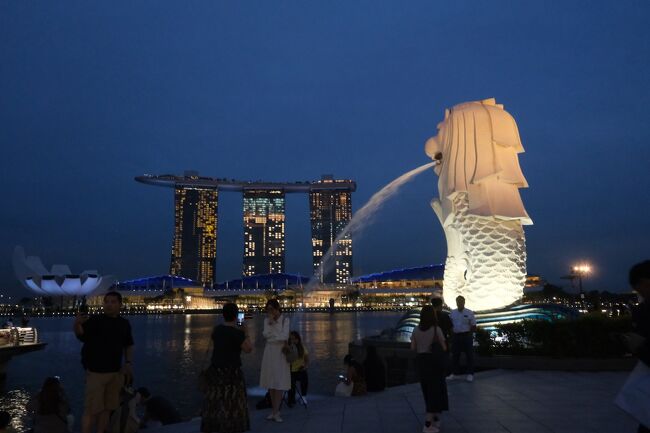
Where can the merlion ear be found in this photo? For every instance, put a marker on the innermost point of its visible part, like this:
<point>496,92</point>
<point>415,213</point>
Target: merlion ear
<point>431,147</point>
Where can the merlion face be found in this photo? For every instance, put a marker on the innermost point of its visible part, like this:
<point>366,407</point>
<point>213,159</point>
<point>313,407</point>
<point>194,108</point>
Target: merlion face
<point>479,204</point>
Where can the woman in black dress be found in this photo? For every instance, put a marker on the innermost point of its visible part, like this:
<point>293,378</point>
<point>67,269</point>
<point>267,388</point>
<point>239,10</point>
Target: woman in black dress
<point>225,409</point>
<point>429,342</point>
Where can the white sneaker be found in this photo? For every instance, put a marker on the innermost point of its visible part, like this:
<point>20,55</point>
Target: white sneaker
<point>470,378</point>
<point>278,418</point>
<point>451,377</point>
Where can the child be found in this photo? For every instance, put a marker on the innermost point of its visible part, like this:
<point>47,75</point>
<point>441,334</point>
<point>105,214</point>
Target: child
<point>299,364</point>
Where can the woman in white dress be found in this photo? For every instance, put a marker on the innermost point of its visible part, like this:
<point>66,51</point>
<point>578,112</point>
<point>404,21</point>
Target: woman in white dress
<point>275,375</point>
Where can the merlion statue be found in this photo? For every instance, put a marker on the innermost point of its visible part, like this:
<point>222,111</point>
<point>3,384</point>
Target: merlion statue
<point>479,205</point>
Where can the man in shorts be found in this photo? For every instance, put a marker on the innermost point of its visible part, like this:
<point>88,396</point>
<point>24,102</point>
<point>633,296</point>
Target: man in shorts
<point>106,341</point>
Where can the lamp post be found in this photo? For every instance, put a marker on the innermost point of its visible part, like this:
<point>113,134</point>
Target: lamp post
<point>579,272</point>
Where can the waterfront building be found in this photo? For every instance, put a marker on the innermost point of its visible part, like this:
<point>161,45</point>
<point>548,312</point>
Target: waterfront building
<point>330,211</point>
<point>162,293</point>
<point>194,248</point>
<point>263,232</point>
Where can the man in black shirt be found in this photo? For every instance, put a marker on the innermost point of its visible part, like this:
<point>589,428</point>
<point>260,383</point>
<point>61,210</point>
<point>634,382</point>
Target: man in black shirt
<point>107,339</point>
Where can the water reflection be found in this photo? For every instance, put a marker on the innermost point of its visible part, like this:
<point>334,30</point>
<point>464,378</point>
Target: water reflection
<point>171,350</point>
<point>16,402</point>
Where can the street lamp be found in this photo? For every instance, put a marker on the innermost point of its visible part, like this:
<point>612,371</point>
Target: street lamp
<point>580,271</point>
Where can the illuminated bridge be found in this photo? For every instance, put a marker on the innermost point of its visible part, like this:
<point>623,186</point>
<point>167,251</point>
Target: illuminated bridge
<point>194,245</point>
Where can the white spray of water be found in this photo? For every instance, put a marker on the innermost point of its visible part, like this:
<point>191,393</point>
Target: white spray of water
<point>364,216</point>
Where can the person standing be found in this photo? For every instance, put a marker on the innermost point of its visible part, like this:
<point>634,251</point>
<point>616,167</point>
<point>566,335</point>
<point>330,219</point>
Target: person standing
<point>107,340</point>
<point>225,409</point>
<point>428,341</point>
<point>462,341</point>
<point>275,374</point>
<point>299,364</point>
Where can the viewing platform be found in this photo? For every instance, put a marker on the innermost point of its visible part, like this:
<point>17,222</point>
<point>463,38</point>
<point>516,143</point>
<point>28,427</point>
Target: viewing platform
<point>194,180</point>
<point>497,401</point>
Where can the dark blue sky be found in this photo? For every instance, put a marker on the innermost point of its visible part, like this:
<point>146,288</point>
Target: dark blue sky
<point>94,93</point>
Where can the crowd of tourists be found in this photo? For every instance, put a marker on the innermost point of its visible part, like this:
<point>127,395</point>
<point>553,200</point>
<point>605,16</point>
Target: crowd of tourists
<point>112,406</point>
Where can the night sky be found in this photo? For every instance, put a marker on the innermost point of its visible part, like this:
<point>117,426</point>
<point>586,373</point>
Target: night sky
<point>95,93</point>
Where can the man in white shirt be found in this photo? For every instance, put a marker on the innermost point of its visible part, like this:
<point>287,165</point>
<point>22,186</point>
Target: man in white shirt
<point>462,339</point>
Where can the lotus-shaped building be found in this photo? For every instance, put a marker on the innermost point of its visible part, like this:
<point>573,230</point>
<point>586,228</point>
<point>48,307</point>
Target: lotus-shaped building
<point>59,280</point>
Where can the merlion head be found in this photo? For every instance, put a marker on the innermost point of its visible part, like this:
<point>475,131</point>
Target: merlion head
<point>477,149</point>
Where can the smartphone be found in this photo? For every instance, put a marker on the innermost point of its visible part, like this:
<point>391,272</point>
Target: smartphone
<point>240,318</point>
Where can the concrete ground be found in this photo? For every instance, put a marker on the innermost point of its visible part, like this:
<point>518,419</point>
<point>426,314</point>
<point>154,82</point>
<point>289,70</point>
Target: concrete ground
<point>497,401</point>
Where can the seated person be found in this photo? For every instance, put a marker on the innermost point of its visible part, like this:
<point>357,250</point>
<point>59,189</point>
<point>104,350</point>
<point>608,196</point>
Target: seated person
<point>158,410</point>
<point>50,408</point>
<point>5,420</point>
<point>354,376</point>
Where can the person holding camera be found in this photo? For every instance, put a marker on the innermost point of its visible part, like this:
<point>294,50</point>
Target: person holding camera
<point>107,340</point>
<point>225,407</point>
<point>275,375</point>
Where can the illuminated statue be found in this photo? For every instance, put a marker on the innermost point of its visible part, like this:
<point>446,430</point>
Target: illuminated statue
<point>479,205</point>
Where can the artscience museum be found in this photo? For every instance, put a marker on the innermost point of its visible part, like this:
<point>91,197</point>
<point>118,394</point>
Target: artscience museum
<point>59,280</point>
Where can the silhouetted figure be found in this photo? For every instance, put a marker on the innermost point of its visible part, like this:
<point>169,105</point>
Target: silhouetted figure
<point>5,420</point>
<point>50,408</point>
<point>640,282</point>
<point>225,406</point>
<point>428,342</point>
<point>375,370</point>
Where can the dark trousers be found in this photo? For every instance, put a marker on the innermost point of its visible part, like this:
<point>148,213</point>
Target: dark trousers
<point>460,343</point>
<point>298,376</point>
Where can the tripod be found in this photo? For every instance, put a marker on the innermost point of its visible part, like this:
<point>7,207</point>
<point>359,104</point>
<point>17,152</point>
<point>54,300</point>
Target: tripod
<point>301,400</point>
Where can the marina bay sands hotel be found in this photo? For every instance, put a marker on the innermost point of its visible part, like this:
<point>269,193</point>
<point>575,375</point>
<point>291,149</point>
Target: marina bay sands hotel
<point>194,247</point>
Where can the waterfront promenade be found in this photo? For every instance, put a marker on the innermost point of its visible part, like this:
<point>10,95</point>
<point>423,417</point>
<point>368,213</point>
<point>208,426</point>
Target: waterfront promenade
<point>497,401</point>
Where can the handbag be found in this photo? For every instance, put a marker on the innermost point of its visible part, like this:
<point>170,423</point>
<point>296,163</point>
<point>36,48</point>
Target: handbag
<point>436,347</point>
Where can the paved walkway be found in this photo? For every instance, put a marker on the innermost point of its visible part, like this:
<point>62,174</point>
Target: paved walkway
<point>497,401</point>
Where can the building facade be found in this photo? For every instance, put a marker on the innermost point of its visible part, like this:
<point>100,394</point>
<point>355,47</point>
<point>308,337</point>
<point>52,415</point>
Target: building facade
<point>263,232</point>
<point>330,211</point>
<point>195,231</point>
<point>194,248</point>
